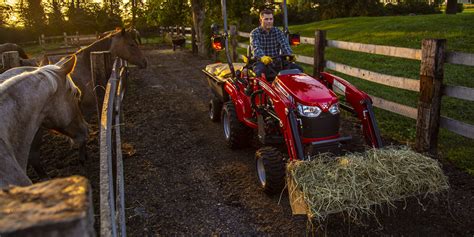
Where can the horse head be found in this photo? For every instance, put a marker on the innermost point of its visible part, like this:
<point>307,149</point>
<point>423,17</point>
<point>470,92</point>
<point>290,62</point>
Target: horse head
<point>125,45</point>
<point>63,112</point>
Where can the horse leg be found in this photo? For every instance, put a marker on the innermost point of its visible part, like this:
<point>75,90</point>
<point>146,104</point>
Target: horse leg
<point>34,156</point>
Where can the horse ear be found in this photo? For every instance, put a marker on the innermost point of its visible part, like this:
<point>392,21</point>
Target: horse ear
<point>67,64</point>
<point>44,61</point>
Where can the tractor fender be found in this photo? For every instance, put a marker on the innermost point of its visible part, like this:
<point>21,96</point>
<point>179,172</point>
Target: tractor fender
<point>237,99</point>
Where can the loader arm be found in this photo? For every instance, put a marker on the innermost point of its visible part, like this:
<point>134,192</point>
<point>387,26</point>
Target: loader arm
<point>361,106</point>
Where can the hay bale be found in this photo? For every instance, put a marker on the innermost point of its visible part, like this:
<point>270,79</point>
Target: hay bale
<point>357,183</point>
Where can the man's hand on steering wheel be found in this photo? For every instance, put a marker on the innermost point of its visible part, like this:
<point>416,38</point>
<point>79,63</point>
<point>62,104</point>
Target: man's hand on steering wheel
<point>266,59</point>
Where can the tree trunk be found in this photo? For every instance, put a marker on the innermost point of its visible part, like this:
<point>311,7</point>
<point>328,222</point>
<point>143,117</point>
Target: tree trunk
<point>451,7</point>
<point>198,22</point>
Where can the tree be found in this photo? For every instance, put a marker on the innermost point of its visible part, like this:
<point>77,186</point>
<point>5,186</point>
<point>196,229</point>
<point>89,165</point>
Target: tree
<point>199,17</point>
<point>5,13</point>
<point>451,7</point>
<point>32,16</point>
<point>56,22</point>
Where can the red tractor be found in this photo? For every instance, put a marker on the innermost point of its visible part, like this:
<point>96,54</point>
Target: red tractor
<point>288,107</point>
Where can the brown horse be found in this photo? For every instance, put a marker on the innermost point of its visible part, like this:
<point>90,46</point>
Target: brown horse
<point>121,43</point>
<point>13,47</point>
<point>45,96</point>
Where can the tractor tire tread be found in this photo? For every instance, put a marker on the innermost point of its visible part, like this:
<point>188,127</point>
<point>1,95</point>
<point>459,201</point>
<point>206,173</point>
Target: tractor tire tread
<point>275,169</point>
<point>240,135</point>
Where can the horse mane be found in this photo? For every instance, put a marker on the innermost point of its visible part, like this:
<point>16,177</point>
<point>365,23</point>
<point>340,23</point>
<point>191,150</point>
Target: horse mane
<point>50,77</point>
<point>47,70</point>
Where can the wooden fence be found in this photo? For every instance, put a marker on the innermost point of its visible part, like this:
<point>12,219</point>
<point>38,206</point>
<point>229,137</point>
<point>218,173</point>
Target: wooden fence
<point>112,195</point>
<point>69,40</point>
<point>430,85</point>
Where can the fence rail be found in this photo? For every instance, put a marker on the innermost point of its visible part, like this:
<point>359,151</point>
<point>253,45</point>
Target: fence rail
<point>428,70</point>
<point>69,39</point>
<point>112,196</point>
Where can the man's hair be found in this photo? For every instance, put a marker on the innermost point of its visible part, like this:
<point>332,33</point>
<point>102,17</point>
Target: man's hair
<point>265,11</point>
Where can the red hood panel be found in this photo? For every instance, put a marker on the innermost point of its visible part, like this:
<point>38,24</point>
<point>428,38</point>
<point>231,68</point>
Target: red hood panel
<point>307,90</point>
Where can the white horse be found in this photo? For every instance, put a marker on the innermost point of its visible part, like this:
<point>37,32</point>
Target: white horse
<point>43,96</point>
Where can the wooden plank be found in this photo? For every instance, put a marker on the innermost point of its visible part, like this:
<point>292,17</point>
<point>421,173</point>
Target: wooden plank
<point>306,40</point>
<point>393,81</point>
<point>394,107</point>
<point>463,129</point>
<point>242,45</point>
<point>107,197</point>
<point>102,66</point>
<point>377,49</point>
<point>305,59</point>
<point>318,56</point>
<point>233,41</point>
<point>244,34</point>
<point>460,92</point>
<point>10,59</point>
<point>120,174</point>
<point>460,58</point>
<point>429,103</point>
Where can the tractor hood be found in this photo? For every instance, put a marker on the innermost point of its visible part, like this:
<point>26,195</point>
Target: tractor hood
<point>306,90</point>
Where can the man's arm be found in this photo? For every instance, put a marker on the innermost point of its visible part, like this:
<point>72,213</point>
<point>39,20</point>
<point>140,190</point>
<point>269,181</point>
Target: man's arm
<point>256,44</point>
<point>285,46</point>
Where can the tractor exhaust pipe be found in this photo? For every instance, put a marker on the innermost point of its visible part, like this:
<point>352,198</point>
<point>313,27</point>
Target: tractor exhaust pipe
<point>226,38</point>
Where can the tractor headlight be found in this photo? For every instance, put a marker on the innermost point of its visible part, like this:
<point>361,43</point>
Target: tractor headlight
<point>334,109</point>
<point>309,111</point>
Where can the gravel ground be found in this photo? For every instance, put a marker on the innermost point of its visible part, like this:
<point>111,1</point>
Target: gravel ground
<point>182,179</point>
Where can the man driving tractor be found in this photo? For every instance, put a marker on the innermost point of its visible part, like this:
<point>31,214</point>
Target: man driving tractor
<point>268,42</point>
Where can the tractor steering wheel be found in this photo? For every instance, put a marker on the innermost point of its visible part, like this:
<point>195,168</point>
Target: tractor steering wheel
<point>279,62</point>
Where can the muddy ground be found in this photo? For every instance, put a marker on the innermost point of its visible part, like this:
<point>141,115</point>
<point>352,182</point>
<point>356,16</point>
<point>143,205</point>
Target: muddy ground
<point>182,179</point>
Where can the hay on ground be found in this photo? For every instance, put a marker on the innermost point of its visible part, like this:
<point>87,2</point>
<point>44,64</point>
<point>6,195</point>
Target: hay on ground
<point>356,183</point>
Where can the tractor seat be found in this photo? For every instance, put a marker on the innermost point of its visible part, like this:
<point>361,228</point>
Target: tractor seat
<point>289,71</point>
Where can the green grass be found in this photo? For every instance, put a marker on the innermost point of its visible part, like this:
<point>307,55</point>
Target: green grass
<point>405,31</point>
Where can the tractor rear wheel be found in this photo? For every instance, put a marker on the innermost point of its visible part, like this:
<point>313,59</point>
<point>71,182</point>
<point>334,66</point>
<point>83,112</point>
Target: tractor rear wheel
<point>215,107</point>
<point>270,169</point>
<point>236,134</point>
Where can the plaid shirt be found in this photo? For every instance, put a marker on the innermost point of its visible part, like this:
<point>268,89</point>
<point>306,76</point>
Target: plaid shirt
<point>269,43</point>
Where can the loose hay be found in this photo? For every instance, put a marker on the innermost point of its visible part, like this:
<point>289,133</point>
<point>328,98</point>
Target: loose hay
<point>356,183</point>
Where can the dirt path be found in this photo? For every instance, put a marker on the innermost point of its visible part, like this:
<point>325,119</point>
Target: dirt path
<point>184,180</point>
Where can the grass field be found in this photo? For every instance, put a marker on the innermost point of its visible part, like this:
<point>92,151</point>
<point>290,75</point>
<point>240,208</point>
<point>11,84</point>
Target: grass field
<point>405,31</point>
<point>401,31</point>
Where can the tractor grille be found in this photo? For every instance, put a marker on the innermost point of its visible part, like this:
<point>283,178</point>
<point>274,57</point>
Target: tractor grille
<point>324,125</point>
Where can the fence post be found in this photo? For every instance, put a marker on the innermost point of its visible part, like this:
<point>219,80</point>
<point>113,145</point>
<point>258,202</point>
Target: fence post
<point>101,63</point>
<point>233,41</point>
<point>77,37</point>
<point>429,103</point>
<point>319,46</point>
<point>10,59</point>
<point>65,38</point>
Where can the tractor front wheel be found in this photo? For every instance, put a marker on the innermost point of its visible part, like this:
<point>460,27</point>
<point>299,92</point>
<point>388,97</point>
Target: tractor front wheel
<point>215,107</point>
<point>236,134</point>
<point>270,170</point>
